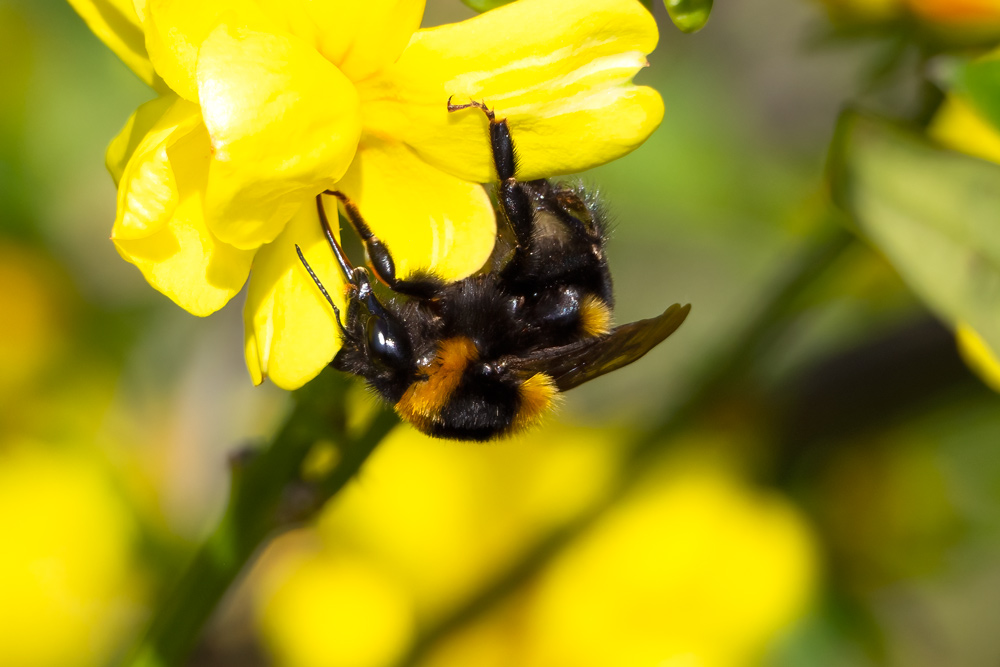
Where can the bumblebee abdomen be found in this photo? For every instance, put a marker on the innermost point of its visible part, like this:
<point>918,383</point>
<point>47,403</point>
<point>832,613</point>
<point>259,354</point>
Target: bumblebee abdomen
<point>483,409</point>
<point>459,396</point>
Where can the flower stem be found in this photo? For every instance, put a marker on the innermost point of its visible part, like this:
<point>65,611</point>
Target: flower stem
<point>269,495</point>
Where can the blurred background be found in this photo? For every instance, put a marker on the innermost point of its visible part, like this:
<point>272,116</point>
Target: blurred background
<point>806,474</point>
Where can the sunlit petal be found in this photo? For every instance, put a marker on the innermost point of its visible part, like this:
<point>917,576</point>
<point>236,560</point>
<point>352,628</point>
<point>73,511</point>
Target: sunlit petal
<point>428,219</point>
<point>116,24</point>
<point>565,86</point>
<point>291,331</point>
<point>284,124</point>
<point>137,127</point>
<point>175,30</point>
<point>360,38</point>
<point>183,259</point>
<point>147,189</point>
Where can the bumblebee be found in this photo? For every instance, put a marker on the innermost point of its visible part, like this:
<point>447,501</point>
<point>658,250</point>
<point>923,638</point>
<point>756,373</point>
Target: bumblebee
<point>486,356</point>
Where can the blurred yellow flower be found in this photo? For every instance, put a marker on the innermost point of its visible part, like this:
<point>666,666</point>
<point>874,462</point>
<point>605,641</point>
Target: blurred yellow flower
<point>335,611</point>
<point>66,576</point>
<point>432,521</point>
<point>695,569</point>
<point>444,517</point>
<point>269,103</point>
<point>958,126</point>
<point>978,355</point>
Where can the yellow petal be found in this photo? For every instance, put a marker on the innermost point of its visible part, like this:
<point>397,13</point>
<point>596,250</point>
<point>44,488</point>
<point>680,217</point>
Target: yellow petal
<point>116,24</point>
<point>978,355</point>
<point>175,30</point>
<point>960,127</point>
<point>360,38</point>
<point>564,85</point>
<point>182,258</point>
<point>137,127</point>
<point>428,219</point>
<point>147,191</point>
<point>291,331</point>
<point>284,124</point>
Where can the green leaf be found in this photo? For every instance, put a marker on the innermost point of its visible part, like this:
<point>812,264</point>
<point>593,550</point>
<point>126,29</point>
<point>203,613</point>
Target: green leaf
<point>484,5</point>
<point>689,15</point>
<point>934,213</point>
<point>979,82</point>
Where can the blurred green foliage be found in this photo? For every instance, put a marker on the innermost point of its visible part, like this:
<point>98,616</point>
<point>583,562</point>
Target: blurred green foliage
<point>979,80</point>
<point>836,501</point>
<point>933,213</point>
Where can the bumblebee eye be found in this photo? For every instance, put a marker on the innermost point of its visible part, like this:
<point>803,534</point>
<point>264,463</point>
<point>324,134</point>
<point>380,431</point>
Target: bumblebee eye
<point>387,347</point>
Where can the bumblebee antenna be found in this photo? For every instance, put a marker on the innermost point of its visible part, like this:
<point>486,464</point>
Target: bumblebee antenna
<point>312,274</point>
<point>338,252</point>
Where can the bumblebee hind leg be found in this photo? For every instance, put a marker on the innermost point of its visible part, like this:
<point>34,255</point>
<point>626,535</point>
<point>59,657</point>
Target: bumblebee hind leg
<point>515,202</point>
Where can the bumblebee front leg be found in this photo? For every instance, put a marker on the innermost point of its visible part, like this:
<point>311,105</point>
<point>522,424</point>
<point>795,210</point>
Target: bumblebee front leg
<point>378,254</point>
<point>355,278</point>
<point>514,200</point>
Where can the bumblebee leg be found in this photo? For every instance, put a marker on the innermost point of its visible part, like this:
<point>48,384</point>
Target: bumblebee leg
<point>514,200</point>
<point>338,252</point>
<point>361,292</point>
<point>378,254</point>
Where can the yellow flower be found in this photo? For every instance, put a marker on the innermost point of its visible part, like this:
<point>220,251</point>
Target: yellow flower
<point>333,610</point>
<point>429,524</point>
<point>67,576</point>
<point>266,104</point>
<point>978,355</point>
<point>959,126</point>
<point>695,568</point>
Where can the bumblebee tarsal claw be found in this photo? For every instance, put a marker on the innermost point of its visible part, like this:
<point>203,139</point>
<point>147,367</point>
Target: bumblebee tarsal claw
<point>452,108</point>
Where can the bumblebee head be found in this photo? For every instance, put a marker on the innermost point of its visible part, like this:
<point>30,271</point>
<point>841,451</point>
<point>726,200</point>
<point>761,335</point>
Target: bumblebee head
<point>376,341</point>
<point>384,335</point>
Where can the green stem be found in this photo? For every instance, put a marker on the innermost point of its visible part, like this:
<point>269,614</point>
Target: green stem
<point>713,379</point>
<point>268,495</point>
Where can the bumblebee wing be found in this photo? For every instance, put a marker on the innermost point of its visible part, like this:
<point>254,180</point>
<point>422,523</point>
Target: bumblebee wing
<point>572,365</point>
